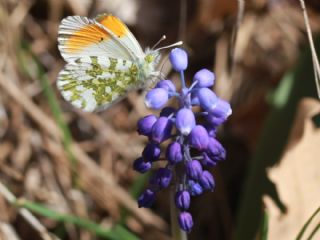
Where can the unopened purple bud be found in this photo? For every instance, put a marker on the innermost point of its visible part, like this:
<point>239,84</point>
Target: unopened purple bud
<point>194,188</point>
<point>167,85</point>
<point>141,166</point>
<point>215,149</point>
<point>161,178</point>
<point>145,125</point>
<point>204,77</point>
<point>185,221</point>
<point>199,138</point>
<point>161,130</point>
<point>222,110</point>
<point>179,59</point>
<point>194,169</point>
<point>146,199</point>
<point>182,200</point>
<point>167,111</point>
<point>208,100</point>
<point>208,161</point>
<point>174,153</point>
<point>185,121</point>
<point>151,152</point>
<point>214,121</point>
<point>207,181</point>
<point>156,98</point>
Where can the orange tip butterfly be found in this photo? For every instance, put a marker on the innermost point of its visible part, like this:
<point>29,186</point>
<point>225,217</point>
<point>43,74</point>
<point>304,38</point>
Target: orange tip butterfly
<point>104,61</point>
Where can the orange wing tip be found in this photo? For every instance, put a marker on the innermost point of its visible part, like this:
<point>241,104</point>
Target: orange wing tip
<point>86,36</point>
<point>114,24</point>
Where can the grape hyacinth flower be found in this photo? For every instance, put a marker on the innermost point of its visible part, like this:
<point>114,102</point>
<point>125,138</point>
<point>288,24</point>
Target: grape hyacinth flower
<point>183,169</point>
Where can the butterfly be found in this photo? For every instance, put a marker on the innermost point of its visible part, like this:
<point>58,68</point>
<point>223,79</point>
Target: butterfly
<point>104,61</point>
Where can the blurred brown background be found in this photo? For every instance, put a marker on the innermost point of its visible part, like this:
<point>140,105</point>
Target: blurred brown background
<point>37,154</point>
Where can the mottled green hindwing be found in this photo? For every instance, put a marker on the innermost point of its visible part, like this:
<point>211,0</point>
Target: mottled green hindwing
<point>93,83</point>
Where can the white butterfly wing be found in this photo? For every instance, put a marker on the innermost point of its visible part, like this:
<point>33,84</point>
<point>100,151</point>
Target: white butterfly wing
<point>93,83</point>
<point>81,36</point>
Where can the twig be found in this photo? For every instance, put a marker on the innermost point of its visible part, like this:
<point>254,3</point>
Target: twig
<point>27,215</point>
<point>240,13</point>
<point>8,232</point>
<point>183,20</point>
<point>315,60</point>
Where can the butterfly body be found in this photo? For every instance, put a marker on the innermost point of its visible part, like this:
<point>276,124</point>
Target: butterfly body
<point>104,61</point>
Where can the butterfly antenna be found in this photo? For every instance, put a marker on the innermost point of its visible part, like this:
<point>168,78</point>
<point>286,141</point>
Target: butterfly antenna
<point>170,46</point>
<point>160,40</point>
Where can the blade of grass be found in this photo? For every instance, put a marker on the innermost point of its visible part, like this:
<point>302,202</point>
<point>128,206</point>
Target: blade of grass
<point>264,226</point>
<point>303,229</point>
<point>116,233</point>
<point>315,230</point>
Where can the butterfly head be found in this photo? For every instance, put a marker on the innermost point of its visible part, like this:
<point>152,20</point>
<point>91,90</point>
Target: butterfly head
<point>151,56</point>
<point>148,63</point>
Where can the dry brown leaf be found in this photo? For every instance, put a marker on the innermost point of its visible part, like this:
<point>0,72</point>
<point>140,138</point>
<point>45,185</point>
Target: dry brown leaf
<point>297,177</point>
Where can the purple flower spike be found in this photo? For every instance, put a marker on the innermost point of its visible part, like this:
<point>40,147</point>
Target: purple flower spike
<point>174,153</point>
<point>194,188</point>
<point>194,169</point>
<point>185,121</point>
<point>185,221</point>
<point>207,181</point>
<point>199,137</point>
<point>146,199</point>
<point>204,77</point>
<point>167,85</point>
<point>162,178</point>
<point>141,166</point>
<point>208,100</point>
<point>222,110</point>
<point>161,130</point>
<point>151,152</point>
<point>183,167</point>
<point>182,200</point>
<point>145,125</point>
<point>179,59</point>
<point>156,98</point>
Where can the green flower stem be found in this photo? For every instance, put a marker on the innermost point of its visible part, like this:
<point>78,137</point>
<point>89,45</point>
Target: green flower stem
<point>177,233</point>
